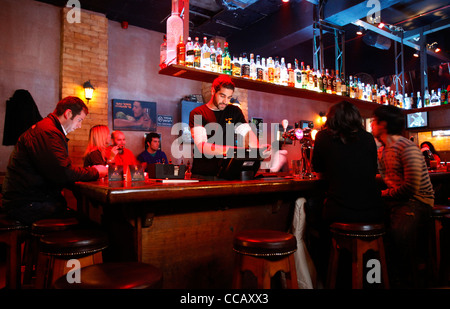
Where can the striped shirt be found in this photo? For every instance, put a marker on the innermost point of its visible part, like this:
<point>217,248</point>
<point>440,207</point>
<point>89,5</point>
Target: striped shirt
<point>404,171</point>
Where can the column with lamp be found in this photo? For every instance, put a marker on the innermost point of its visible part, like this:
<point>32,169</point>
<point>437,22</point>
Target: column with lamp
<point>88,90</point>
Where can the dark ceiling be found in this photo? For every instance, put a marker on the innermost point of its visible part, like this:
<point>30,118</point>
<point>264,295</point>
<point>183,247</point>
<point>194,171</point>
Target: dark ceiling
<point>273,28</point>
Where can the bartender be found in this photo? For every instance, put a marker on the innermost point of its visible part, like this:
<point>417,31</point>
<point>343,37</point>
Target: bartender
<point>210,124</point>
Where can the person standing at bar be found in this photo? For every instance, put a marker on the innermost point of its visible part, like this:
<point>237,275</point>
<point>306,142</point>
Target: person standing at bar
<point>40,167</point>
<point>213,117</point>
<point>346,155</point>
<point>409,195</point>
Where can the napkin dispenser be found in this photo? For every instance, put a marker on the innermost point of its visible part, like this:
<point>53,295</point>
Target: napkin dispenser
<point>165,171</point>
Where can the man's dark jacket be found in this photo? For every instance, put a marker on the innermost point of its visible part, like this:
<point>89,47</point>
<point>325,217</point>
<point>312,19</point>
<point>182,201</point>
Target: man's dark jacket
<point>39,166</point>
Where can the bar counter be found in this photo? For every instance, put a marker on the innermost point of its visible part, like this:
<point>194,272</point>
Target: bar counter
<point>187,229</point>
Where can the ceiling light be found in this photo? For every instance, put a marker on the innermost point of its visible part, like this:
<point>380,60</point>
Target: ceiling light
<point>360,31</point>
<point>416,55</point>
<point>285,1</point>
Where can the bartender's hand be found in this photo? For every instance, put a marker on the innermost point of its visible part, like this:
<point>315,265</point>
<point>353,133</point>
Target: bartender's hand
<point>102,170</point>
<point>265,150</point>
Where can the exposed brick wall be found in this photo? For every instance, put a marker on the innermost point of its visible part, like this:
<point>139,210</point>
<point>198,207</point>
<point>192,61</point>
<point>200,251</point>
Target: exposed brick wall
<point>84,56</point>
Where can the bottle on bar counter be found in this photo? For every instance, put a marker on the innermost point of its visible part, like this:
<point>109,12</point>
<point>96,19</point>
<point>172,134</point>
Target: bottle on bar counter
<point>426,98</point>
<point>236,67</point>
<point>259,69</point>
<point>444,96</point>
<point>291,75</point>
<point>435,100</point>
<point>270,70</point>
<point>245,66</point>
<point>283,73</point>
<point>419,100</point>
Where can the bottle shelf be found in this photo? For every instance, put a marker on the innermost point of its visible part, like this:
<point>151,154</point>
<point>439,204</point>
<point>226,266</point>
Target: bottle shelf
<point>245,83</point>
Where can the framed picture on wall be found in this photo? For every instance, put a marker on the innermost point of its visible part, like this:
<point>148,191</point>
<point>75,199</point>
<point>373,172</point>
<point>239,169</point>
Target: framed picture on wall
<point>134,115</point>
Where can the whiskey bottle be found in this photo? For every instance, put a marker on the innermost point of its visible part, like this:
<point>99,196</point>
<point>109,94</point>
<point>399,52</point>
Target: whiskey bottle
<point>252,67</point>
<point>226,60</point>
<point>189,53</point>
<point>197,54</point>
<point>181,52</point>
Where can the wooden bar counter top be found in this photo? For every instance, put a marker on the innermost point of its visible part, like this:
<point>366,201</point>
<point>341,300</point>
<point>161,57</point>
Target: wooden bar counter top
<point>187,229</point>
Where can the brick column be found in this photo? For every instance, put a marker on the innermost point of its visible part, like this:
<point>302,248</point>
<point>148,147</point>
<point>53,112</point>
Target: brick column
<point>84,56</point>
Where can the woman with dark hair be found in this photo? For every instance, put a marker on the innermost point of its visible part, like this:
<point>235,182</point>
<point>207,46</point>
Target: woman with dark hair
<point>346,156</point>
<point>425,146</point>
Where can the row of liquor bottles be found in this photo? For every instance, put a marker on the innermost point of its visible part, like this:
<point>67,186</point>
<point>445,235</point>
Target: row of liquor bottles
<point>276,70</point>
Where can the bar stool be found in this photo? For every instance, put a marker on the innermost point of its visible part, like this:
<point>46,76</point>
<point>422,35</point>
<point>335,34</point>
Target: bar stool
<point>57,248</point>
<point>264,253</point>
<point>12,234</point>
<point>357,238</point>
<point>38,230</point>
<point>121,275</point>
<point>438,214</point>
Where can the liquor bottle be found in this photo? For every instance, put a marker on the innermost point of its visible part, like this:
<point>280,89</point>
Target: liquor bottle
<point>329,82</point>
<point>426,98</point>
<point>277,71</point>
<point>344,86</point>
<point>181,52</point>
<point>304,76</point>
<point>245,66</point>
<point>325,81</point>
<point>413,101</point>
<point>174,28</point>
<point>298,75</point>
<point>315,80</point>
<point>206,55</point>
<point>219,58</point>
<point>291,76</point>
<point>236,67</point>
<point>259,69</point>
<point>338,83</point>
<point>284,77</point>
<point>419,100</point>
<point>351,90</point>
<point>435,100</point>
<point>163,53</point>
<point>189,53</point>
<point>444,99</point>
<point>265,69</point>
<point>252,67</point>
<point>197,54</point>
<point>407,101</point>
<point>319,81</point>
<point>310,75</point>
<point>270,70</point>
<point>226,60</point>
<point>374,93</point>
<point>212,56</point>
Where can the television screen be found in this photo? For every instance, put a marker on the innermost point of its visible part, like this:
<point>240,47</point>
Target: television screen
<point>417,120</point>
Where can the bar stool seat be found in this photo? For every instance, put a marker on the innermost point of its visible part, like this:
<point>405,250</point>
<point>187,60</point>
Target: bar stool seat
<point>38,230</point>
<point>264,253</point>
<point>121,275</point>
<point>57,248</point>
<point>357,238</point>
<point>12,234</point>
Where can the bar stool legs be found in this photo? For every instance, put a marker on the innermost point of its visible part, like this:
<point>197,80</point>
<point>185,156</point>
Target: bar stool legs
<point>357,239</point>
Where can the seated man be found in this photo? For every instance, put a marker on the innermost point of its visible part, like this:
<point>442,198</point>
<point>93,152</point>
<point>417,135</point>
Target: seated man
<point>152,154</point>
<point>39,166</point>
<point>117,153</point>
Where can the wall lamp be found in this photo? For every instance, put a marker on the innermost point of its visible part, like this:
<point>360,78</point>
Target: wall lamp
<point>88,90</point>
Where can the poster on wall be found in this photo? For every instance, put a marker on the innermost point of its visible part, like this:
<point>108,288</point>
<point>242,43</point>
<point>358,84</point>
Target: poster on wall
<point>133,115</point>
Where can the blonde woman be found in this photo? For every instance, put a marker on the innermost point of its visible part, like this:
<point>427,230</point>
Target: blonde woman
<point>99,140</point>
